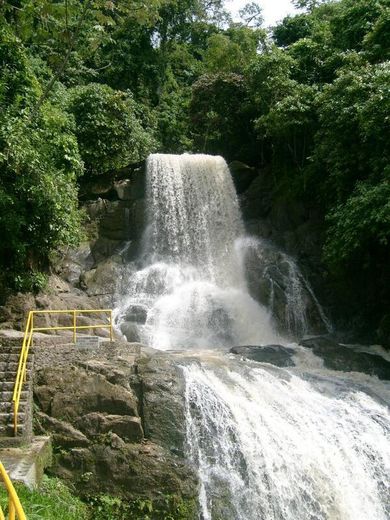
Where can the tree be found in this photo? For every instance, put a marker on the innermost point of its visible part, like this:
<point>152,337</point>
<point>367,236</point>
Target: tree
<point>39,163</point>
<point>252,15</point>
<point>109,128</point>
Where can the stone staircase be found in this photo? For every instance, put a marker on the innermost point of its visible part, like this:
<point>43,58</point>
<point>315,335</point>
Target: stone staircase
<point>9,359</point>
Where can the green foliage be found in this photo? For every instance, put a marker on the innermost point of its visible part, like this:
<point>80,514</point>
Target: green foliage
<point>360,224</point>
<point>231,51</point>
<point>109,129</point>
<point>219,123</point>
<point>352,143</point>
<point>93,86</point>
<point>105,507</point>
<point>39,163</point>
<point>251,14</point>
<point>53,501</point>
<point>18,85</point>
<point>292,29</point>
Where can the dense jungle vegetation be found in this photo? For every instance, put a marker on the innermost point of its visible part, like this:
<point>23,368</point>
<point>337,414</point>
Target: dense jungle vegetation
<point>87,87</point>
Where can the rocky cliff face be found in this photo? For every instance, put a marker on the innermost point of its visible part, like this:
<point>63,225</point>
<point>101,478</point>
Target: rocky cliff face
<point>116,417</point>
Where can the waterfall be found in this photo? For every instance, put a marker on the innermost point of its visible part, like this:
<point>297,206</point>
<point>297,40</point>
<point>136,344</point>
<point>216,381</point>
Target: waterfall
<point>270,445</point>
<point>191,289</point>
<point>302,443</point>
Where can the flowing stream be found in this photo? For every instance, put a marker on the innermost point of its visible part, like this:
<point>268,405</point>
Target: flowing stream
<point>300,443</point>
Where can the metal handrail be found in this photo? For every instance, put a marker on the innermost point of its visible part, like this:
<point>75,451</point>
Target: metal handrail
<point>15,509</point>
<point>21,374</point>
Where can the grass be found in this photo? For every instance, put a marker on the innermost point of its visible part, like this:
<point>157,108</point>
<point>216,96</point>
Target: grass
<point>53,501</point>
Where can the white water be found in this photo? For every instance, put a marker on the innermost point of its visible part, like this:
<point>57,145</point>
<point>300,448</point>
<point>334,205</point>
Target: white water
<point>192,282</point>
<point>269,444</point>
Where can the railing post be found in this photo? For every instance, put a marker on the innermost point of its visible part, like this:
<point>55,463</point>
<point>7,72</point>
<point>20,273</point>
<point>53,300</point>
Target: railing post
<point>15,420</point>
<point>74,327</point>
<point>32,328</point>
<point>11,509</point>
<point>111,326</point>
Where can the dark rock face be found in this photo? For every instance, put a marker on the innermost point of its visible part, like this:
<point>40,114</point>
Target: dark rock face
<point>162,388</point>
<point>243,175</point>
<point>274,354</point>
<point>347,358</point>
<point>117,422</point>
<point>275,281</point>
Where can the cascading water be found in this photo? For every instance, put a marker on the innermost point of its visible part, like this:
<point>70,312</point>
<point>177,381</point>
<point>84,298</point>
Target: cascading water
<point>302,443</point>
<point>192,290</point>
<point>271,445</point>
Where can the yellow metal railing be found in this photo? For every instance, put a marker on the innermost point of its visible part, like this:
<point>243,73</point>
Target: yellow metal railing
<point>15,509</point>
<point>28,339</point>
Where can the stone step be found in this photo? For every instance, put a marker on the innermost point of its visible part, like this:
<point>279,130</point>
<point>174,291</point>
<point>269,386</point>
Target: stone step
<point>27,463</point>
<point>12,366</point>
<point>7,407</point>
<point>9,356</point>
<point>7,386</point>
<point>7,430</point>
<point>12,351</point>
<point>7,418</point>
<point>6,396</point>
<point>9,375</point>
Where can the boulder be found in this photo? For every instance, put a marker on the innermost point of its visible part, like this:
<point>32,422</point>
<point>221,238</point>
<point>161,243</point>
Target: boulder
<point>63,434</point>
<point>126,427</point>
<point>274,354</point>
<point>131,471</point>
<point>136,313</point>
<point>130,331</point>
<point>97,422</point>
<point>73,392</point>
<point>347,358</point>
<point>383,332</point>
<point>74,263</point>
<point>102,280</point>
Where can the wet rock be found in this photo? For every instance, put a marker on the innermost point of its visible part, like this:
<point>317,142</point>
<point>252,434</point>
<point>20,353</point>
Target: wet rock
<point>74,263</point>
<point>92,410</point>
<point>163,396</point>
<point>115,223</point>
<point>131,471</point>
<point>95,209</point>
<point>257,201</point>
<point>123,189</point>
<point>274,354</point>
<point>102,248</point>
<point>383,332</point>
<point>130,331</point>
<point>347,358</point>
<point>136,313</point>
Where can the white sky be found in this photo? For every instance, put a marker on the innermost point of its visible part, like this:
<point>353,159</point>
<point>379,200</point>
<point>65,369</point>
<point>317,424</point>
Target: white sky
<point>273,10</point>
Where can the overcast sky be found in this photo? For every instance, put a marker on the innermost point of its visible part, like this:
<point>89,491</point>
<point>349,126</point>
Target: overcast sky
<point>273,10</point>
